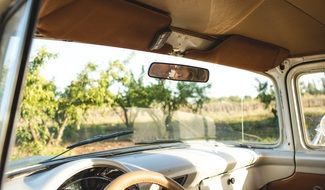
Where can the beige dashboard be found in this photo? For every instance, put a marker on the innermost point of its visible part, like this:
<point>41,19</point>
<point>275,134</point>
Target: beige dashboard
<point>198,165</point>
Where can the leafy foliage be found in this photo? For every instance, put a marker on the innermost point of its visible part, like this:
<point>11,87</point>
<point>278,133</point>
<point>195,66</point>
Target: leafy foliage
<point>135,94</point>
<point>38,102</point>
<point>310,88</point>
<point>86,92</point>
<point>190,95</point>
<point>187,95</point>
<point>46,112</point>
<point>75,100</point>
<point>266,95</point>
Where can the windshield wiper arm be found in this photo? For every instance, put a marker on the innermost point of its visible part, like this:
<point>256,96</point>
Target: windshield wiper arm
<point>99,138</point>
<point>94,139</point>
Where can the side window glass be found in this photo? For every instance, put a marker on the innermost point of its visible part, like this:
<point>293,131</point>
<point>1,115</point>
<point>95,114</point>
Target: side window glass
<point>11,48</point>
<point>312,97</point>
<point>250,116</point>
<point>13,32</point>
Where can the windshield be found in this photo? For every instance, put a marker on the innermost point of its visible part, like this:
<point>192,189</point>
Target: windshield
<point>76,91</point>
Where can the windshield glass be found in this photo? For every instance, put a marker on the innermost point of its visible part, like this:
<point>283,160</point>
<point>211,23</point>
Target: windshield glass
<point>76,91</point>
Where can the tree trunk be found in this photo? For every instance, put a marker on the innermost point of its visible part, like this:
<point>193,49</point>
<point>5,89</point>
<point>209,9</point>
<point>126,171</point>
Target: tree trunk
<point>132,119</point>
<point>62,127</point>
<point>47,131</point>
<point>126,117</point>
<point>34,133</point>
<point>169,127</point>
<point>206,129</point>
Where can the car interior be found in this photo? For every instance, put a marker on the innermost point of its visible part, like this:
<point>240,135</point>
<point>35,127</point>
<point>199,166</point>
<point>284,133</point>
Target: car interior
<point>283,40</point>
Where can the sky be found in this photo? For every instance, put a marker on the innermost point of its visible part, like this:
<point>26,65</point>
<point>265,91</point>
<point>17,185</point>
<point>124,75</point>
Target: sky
<point>72,58</point>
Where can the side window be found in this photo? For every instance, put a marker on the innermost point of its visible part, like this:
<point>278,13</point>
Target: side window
<point>11,48</point>
<point>249,113</point>
<point>312,100</point>
<point>13,36</point>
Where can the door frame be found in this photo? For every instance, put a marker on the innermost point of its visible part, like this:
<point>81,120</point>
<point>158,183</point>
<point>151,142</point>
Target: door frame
<point>307,159</point>
<point>8,128</point>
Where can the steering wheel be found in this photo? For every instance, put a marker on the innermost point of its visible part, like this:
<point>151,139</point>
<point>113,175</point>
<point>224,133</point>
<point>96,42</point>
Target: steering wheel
<point>132,178</point>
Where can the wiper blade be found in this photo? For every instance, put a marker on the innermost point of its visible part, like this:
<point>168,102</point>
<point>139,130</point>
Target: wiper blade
<point>94,139</point>
<point>241,145</point>
<point>99,138</point>
<point>159,142</point>
<point>251,146</point>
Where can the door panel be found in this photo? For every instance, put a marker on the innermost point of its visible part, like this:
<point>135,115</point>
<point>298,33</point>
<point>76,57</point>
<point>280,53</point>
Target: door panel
<point>272,165</point>
<point>300,181</point>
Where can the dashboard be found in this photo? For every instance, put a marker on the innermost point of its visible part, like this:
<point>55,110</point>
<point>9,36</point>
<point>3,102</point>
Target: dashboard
<point>194,167</point>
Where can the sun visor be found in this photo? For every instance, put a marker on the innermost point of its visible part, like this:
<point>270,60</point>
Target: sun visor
<point>245,53</point>
<point>114,22</point>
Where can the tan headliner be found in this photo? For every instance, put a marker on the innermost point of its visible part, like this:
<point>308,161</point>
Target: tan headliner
<point>114,22</point>
<point>275,29</point>
<point>297,25</point>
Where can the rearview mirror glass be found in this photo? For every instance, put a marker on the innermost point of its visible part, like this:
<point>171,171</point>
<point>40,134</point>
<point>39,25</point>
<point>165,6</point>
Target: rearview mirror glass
<point>178,72</point>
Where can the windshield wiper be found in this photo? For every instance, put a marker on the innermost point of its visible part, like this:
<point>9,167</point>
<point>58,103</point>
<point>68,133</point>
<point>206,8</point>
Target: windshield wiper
<point>159,141</point>
<point>251,146</point>
<point>241,145</point>
<point>99,138</point>
<point>94,139</point>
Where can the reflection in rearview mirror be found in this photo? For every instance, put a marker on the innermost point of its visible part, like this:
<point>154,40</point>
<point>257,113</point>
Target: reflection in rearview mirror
<point>178,72</point>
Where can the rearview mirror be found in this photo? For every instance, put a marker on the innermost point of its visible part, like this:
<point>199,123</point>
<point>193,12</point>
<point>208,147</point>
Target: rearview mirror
<point>178,72</point>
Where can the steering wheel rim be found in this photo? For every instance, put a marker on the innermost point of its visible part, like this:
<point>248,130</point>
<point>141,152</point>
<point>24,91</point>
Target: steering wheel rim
<point>133,178</point>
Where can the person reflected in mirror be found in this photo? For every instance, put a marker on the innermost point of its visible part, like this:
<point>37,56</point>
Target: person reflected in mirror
<point>178,72</point>
<point>186,73</point>
<point>160,70</point>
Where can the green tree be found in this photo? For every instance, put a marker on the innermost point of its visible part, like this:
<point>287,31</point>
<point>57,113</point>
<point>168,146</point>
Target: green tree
<point>38,103</point>
<point>86,92</point>
<point>46,112</point>
<point>312,87</point>
<point>266,95</point>
<point>74,101</point>
<point>135,94</point>
<point>187,95</point>
<point>82,94</point>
